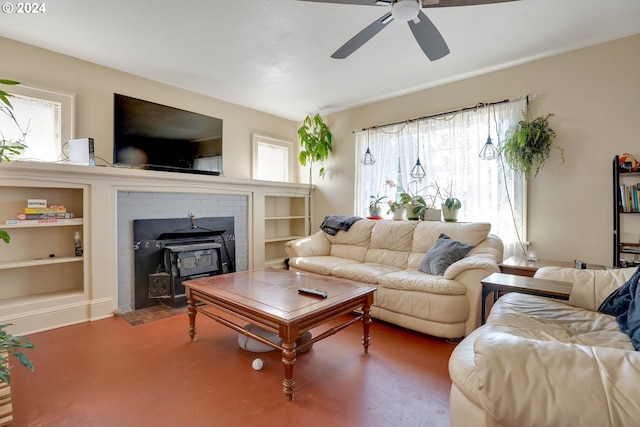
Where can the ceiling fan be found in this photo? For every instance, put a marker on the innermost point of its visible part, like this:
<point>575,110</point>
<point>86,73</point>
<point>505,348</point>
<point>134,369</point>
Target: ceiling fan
<point>425,33</point>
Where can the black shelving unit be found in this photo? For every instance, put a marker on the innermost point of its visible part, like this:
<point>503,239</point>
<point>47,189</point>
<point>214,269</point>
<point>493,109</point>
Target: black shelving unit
<point>620,247</point>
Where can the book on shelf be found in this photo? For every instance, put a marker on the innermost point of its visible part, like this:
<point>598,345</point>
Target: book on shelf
<point>633,249</point>
<point>630,198</point>
<point>66,215</point>
<point>51,209</point>
<point>40,221</point>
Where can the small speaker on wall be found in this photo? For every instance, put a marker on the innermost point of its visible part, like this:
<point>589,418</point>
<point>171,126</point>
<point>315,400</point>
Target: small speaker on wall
<point>81,152</point>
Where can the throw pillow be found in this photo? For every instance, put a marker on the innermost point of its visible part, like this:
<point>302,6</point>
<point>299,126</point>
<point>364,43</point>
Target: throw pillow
<point>624,304</point>
<point>444,253</point>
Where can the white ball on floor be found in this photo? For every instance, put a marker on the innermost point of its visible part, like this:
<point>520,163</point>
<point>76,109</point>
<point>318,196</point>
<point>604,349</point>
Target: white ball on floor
<point>257,364</point>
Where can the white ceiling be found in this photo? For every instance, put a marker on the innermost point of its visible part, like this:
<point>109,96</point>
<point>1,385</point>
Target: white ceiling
<point>274,55</point>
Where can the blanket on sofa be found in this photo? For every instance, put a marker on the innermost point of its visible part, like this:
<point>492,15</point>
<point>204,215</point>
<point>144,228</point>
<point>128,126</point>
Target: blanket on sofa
<point>334,223</point>
<point>623,304</point>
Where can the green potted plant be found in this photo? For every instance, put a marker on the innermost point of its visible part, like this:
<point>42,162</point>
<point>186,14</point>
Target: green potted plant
<point>397,209</point>
<point>530,144</point>
<point>450,209</point>
<point>450,204</point>
<point>417,205</point>
<point>11,346</point>
<point>375,206</point>
<point>9,147</point>
<point>315,139</point>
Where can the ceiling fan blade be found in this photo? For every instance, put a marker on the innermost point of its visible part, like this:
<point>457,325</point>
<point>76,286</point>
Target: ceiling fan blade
<point>428,37</point>
<point>362,37</point>
<point>450,3</point>
<point>359,2</point>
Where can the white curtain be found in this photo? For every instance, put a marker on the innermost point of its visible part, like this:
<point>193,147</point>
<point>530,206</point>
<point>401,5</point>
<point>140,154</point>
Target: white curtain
<point>448,148</point>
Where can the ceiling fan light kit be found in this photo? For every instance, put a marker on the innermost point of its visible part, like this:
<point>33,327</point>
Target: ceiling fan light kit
<point>405,10</point>
<point>424,31</point>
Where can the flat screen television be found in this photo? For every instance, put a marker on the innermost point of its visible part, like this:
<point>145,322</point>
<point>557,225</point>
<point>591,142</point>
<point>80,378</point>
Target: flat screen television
<point>154,136</point>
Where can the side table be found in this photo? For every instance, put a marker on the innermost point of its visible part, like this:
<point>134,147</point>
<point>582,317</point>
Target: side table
<point>523,267</point>
<point>500,282</point>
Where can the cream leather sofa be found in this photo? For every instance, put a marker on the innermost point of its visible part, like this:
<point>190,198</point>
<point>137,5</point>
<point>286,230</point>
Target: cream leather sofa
<point>544,362</point>
<point>387,254</point>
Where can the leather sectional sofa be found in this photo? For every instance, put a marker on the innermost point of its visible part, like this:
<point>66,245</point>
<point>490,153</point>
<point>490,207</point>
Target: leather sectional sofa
<point>543,362</point>
<point>388,255</point>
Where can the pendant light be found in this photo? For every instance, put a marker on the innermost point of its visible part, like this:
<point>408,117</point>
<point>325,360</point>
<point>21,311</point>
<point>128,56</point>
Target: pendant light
<point>418,171</point>
<point>368,159</point>
<point>488,151</point>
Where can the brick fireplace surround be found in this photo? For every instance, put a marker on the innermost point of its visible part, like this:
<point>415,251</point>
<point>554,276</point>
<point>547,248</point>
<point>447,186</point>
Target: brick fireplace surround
<point>145,205</point>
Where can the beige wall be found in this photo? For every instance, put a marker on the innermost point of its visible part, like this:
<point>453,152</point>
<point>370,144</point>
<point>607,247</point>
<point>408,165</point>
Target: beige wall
<point>594,94</point>
<point>94,86</point>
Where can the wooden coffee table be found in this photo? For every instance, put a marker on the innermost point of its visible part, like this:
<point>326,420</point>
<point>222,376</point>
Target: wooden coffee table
<point>269,299</point>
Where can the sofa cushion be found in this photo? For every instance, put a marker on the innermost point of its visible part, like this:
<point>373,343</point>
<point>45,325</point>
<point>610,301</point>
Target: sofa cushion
<point>625,305</point>
<point>359,234</point>
<point>387,257</point>
<point>445,252</point>
<point>590,287</point>
<point>353,243</point>
<point>366,272</point>
<point>319,264</point>
<point>427,232</point>
<point>393,235</point>
<point>414,280</point>
<point>546,319</point>
<point>555,384</point>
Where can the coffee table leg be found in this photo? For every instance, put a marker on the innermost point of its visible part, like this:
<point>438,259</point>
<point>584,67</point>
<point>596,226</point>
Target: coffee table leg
<point>288,360</point>
<point>191,311</point>
<point>366,321</point>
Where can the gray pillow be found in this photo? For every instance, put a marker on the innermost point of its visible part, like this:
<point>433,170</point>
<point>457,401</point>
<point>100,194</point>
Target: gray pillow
<point>444,253</point>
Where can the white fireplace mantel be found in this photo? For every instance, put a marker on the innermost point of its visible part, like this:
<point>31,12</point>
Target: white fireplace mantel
<point>103,184</point>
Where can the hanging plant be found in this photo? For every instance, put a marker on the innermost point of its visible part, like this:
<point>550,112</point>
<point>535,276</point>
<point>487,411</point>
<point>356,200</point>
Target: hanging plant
<point>530,145</point>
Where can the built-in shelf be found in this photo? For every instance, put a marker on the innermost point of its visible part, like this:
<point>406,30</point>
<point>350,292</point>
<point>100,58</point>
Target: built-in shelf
<point>45,223</point>
<point>282,239</point>
<point>38,268</point>
<point>45,298</point>
<point>39,261</point>
<point>285,219</point>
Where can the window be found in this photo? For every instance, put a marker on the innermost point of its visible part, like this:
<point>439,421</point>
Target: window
<point>448,147</point>
<point>272,159</point>
<point>47,119</point>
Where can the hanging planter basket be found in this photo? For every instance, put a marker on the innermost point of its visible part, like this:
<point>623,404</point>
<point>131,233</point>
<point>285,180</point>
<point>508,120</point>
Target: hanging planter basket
<point>529,147</point>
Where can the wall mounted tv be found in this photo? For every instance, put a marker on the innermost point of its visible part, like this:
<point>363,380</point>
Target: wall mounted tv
<point>154,136</point>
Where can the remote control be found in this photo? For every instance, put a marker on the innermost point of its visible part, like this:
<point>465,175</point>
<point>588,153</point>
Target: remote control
<point>313,292</point>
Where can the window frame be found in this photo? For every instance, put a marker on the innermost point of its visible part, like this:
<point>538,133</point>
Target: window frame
<point>66,124</point>
<point>258,139</point>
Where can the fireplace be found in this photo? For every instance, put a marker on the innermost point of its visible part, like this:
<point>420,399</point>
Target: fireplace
<point>169,251</point>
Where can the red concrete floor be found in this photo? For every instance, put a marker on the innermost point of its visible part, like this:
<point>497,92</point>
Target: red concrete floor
<point>110,373</point>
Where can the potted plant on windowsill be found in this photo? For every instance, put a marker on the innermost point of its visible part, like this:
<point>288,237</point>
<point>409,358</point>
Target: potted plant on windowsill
<point>450,209</point>
<point>450,204</point>
<point>375,206</point>
<point>530,144</point>
<point>417,205</point>
<point>397,209</point>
